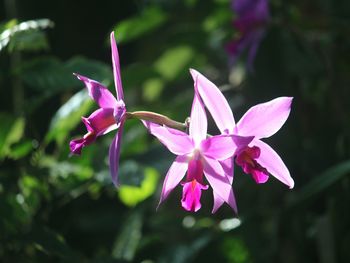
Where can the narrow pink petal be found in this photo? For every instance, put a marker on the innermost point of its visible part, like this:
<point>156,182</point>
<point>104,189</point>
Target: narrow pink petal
<point>219,147</point>
<point>273,163</point>
<point>219,182</point>
<point>116,69</point>
<point>215,101</point>
<point>265,119</point>
<point>114,153</point>
<point>175,174</point>
<point>101,121</point>
<point>218,202</point>
<point>227,166</point>
<point>178,143</point>
<point>198,122</point>
<point>99,93</point>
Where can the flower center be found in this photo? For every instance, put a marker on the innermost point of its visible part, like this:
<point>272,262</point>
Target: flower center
<point>246,158</point>
<point>119,111</point>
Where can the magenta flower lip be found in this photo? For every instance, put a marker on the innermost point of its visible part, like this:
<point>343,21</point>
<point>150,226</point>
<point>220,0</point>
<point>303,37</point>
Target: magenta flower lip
<point>110,116</point>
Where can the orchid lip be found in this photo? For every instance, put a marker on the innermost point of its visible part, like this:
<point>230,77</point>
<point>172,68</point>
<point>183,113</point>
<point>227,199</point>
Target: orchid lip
<point>247,159</point>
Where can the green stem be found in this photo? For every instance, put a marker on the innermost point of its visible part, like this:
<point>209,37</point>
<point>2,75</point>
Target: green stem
<point>157,118</point>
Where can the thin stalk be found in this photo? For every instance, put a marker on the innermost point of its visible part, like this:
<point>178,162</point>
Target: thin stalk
<point>157,118</point>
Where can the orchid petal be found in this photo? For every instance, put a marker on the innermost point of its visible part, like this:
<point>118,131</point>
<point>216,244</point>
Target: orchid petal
<point>77,145</point>
<point>175,174</point>
<point>198,122</point>
<point>114,153</point>
<point>177,142</point>
<point>215,101</point>
<point>222,147</point>
<point>116,69</point>
<point>273,163</point>
<point>265,119</point>
<point>219,147</point>
<point>219,182</point>
<point>99,93</point>
<point>227,166</point>
<point>101,121</point>
<point>218,202</point>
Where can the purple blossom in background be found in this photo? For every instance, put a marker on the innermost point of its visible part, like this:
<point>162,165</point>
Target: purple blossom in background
<point>197,155</point>
<point>252,17</point>
<point>261,121</point>
<point>110,115</point>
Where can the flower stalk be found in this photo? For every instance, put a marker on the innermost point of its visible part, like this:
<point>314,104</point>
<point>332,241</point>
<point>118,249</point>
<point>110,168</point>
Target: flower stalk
<point>157,118</point>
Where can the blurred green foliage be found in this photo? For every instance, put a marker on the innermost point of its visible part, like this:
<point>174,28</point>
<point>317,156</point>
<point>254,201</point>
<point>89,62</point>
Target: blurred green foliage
<point>56,208</point>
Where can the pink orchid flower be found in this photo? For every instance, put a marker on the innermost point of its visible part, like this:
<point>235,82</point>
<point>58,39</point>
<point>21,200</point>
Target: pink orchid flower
<point>197,155</point>
<point>261,121</point>
<point>251,22</point>
<point>110,115</point>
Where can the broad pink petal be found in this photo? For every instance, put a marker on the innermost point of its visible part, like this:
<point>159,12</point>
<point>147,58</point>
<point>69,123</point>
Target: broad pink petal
<point>116,69</point>
<point>114,153</point>
<point>175,174</point>
<point>219,147</point>
<point>198,122</point>
<point>99,93</point>
<point>215,101</point>
<point>177,142</point>
<point>101,121</point>
<point>265,119</point>
<point>273,163</point>
<point>219,182</point>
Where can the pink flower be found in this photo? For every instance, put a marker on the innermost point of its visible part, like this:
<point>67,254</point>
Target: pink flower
<point>261,121</point>
<point>251,22</point>
<point>197,155</point>
<point>110,115</point>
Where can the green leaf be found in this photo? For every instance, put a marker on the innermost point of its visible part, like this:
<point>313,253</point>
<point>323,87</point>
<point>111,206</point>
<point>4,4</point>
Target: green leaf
<point>11,131</point>
<point>51,243</point>
<point>217,19</point>
<point>174,61</point>
<point>152,89</point>
<point>25,36</point>
<point>68,117</point>
<point>323,181</point>
<point>137,26</point>
<point>132,195</point>
<point>135,74</point>
<point>31,40</point>
<point>47,74</point>
<point>20,150</point>
<point>93,69</point>
<point>50,75</point>
<point>128,240</point>
<point>235,250</point>
<point>32,191</point>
